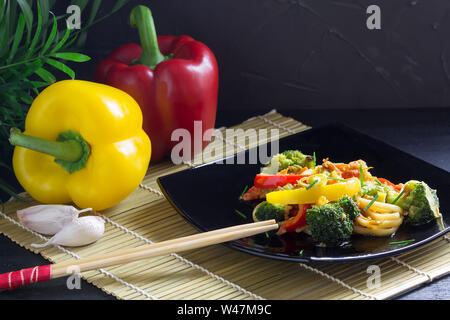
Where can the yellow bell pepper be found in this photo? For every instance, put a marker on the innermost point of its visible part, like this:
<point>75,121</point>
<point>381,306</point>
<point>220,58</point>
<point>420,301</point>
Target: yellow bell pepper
<point>332,192</point>
<point>83,142</point>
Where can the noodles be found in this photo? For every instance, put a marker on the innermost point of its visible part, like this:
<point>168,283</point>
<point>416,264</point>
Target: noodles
<point>381,219</point>
<point>383,216</point>
<point>378,206</point>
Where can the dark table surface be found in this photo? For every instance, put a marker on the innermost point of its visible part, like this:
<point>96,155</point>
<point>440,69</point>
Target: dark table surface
<point>422,132</point>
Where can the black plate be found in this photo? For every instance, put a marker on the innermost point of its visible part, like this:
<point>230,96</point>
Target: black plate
<point>207,196</point>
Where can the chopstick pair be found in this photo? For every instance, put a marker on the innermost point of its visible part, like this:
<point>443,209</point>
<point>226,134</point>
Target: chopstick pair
<point>15,279</point>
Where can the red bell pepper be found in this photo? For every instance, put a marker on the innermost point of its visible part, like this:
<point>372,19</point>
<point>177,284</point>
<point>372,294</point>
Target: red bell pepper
<point>173,79</point>
<point>295,222</point>
<point>397,187</point>
<point>266,181</point>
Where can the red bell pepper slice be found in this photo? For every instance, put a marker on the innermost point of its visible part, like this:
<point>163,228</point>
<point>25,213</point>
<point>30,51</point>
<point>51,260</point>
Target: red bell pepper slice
<point>173,79</point>
<point>390,184</point>
<point>295,222</point>
<point>265,181</point>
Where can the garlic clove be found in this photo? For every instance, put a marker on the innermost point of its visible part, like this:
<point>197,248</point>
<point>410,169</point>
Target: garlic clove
<point>79,232</point>
<point>48,219</point>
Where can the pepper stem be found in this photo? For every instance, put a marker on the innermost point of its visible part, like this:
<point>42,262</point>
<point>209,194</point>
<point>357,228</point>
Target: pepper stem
<point>70,150</point>
<point>141,17</point>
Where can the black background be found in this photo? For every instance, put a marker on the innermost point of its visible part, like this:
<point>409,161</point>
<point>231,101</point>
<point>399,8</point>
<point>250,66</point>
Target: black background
<point>305,54</point>
<point>313,60</point>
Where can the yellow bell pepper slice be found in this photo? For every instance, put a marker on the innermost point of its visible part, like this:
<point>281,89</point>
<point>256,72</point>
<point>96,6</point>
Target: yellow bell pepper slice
<point>332,192</point>
<point>83,143</point>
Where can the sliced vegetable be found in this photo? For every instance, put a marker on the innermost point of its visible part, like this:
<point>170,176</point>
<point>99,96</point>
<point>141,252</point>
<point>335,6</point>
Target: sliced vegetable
<point>255,193</point>
<point>311,184</point>
<point>332,192</point>
<point>402,243</point>
<point>296,222</point>
<point>361,175</point>
<point>243,192</point>
<point>390,184</point>
<point>337,179</point>
<point>371,203</point>
<point>267,181</point>
<point>398,197</point>
<point>241,214</point>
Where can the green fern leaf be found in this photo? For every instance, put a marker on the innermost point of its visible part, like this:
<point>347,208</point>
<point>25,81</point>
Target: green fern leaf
<point>62,67</point>
<point>71,56</point>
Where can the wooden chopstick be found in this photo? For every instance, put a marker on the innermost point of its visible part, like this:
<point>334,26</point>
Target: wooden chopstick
<point>43,273</point>
<point>164,247</point>
<point>247,227</point>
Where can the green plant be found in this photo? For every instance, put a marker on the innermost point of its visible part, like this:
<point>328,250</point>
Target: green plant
<point>34,43</point>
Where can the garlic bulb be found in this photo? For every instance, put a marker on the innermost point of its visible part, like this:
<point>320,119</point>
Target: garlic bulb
<point>48,219</point>
<point>79,232</point>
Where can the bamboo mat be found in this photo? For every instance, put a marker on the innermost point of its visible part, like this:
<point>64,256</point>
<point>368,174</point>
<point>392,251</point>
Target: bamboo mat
<point>218,272</point>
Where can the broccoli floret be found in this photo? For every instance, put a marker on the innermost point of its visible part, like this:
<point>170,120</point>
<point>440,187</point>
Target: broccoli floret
<point>268,211</point>
<point>329,223</point>
<point>298,158</point>
<point>349,206</point>
<point>420,201</point>
<point>286,159</point>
